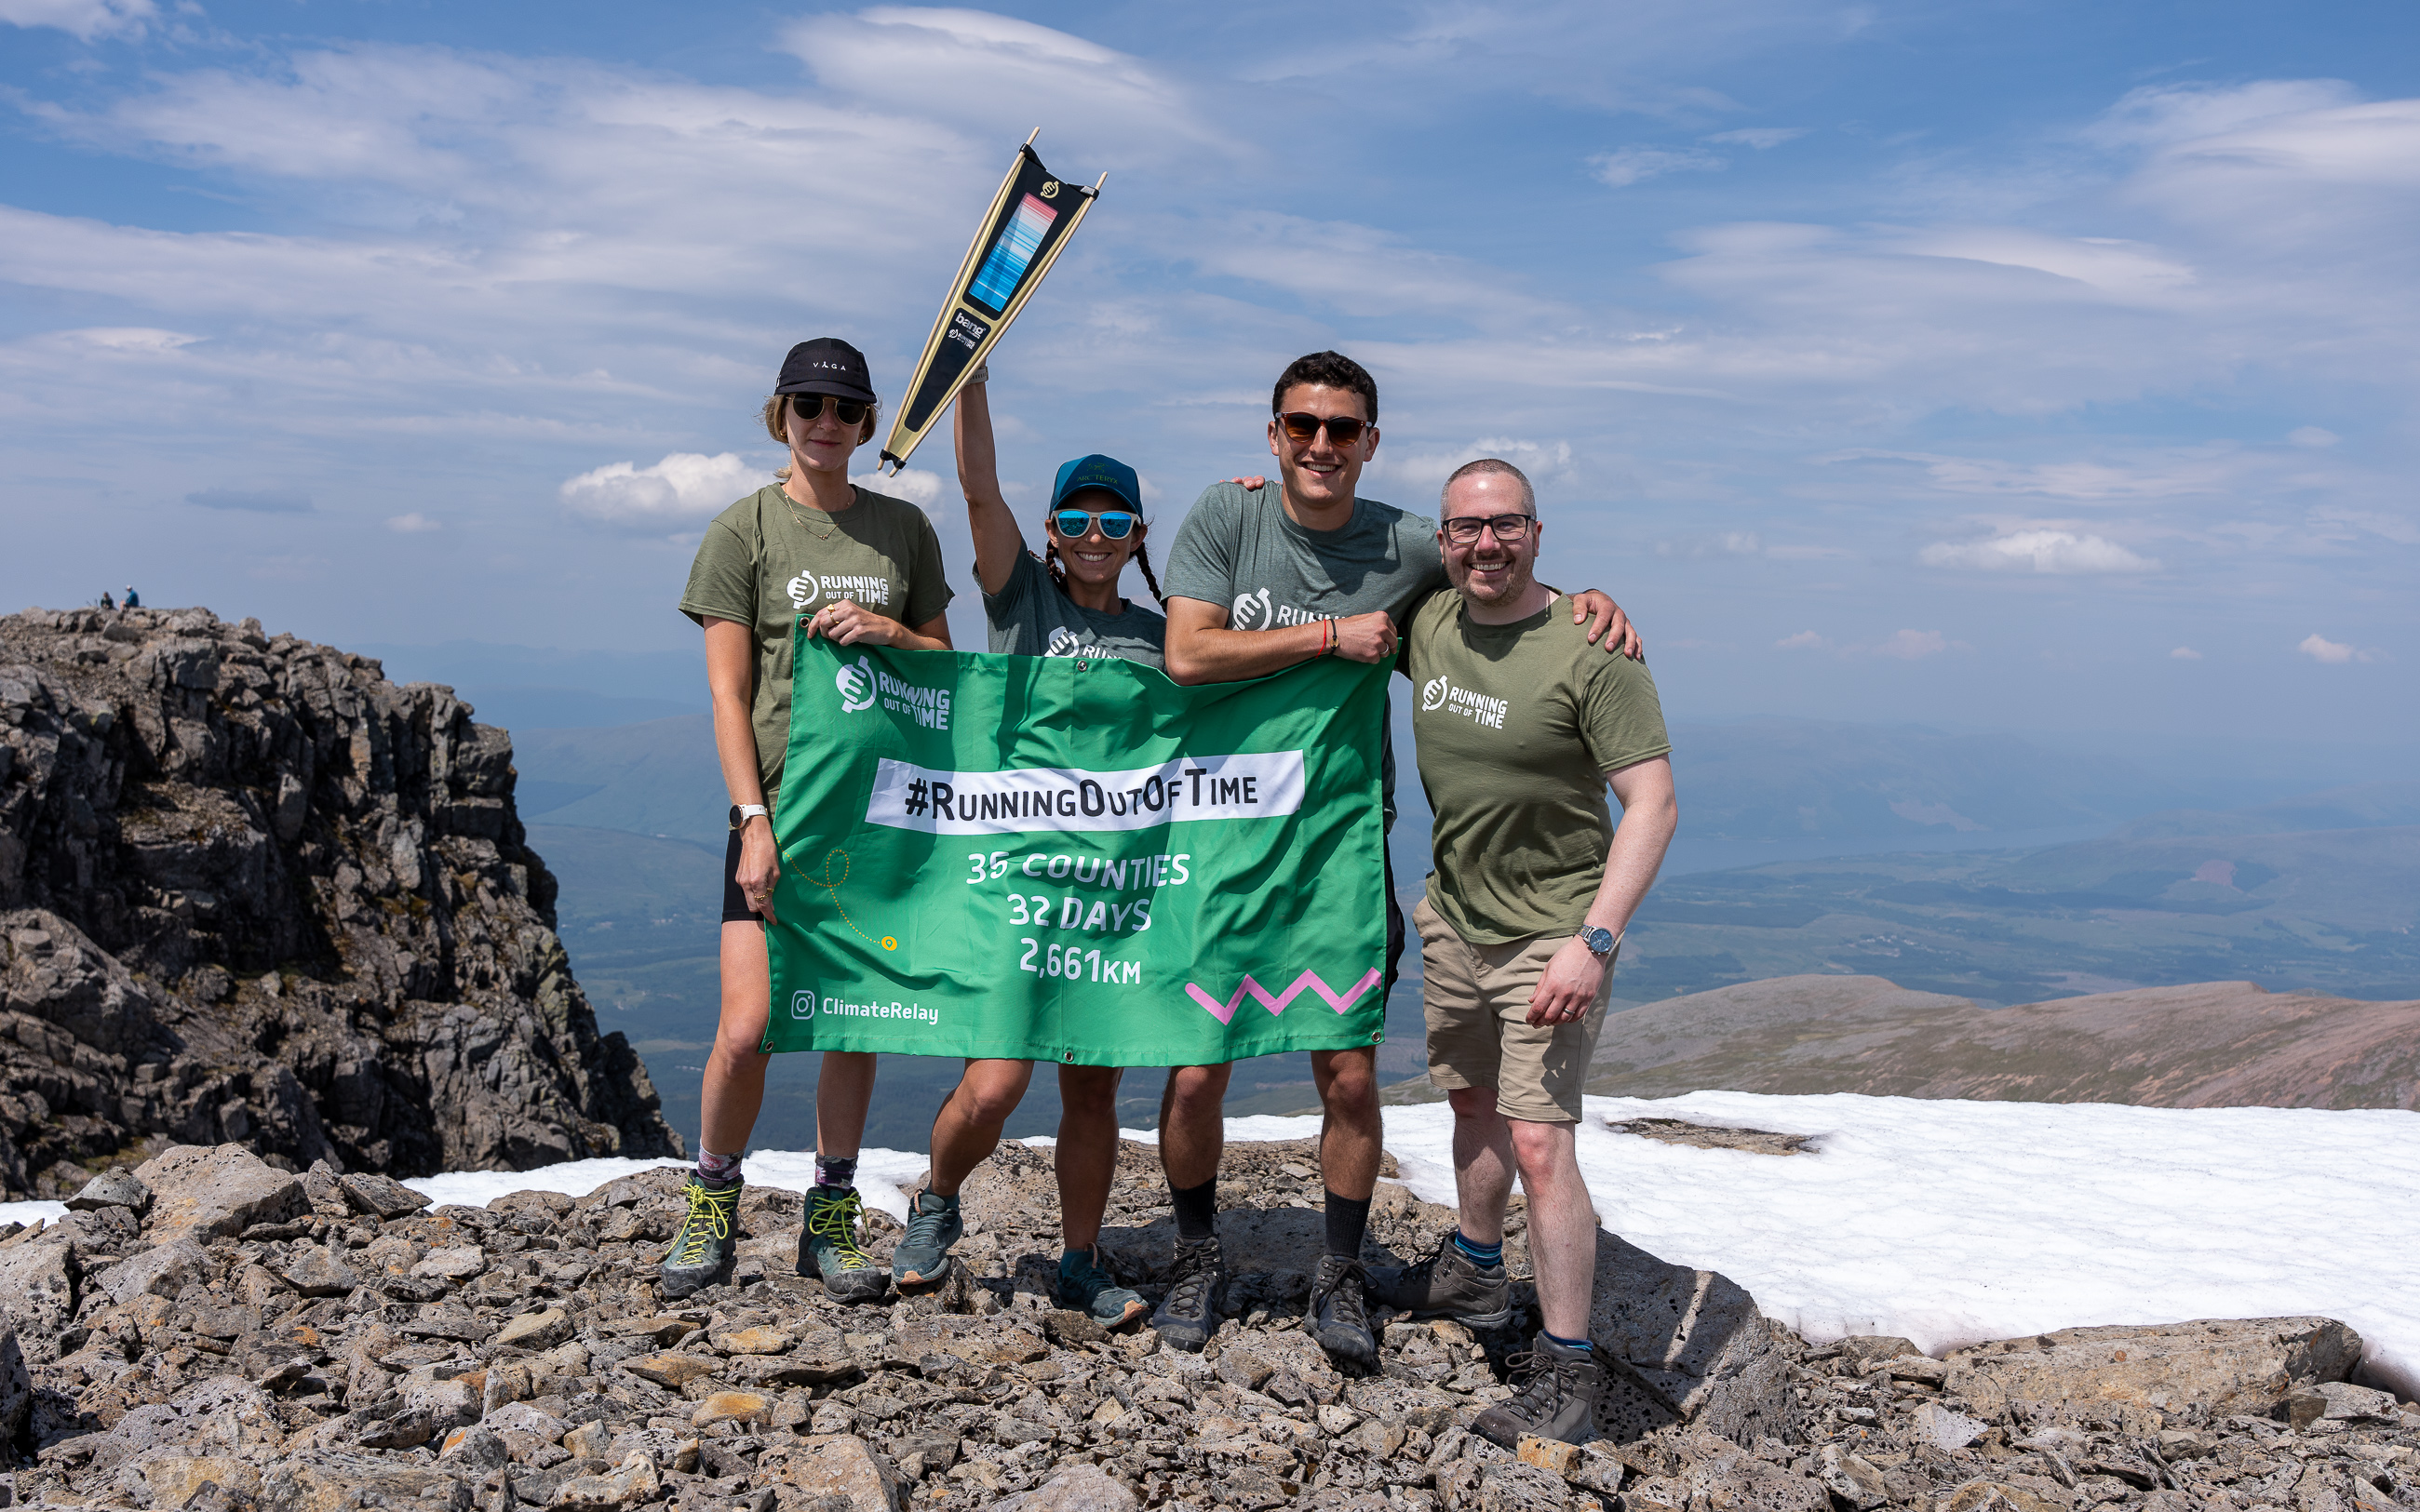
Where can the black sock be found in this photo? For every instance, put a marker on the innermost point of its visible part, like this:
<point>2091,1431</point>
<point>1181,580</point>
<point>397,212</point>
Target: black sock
<point>1197,1211</point>
<point>1347,1220</point>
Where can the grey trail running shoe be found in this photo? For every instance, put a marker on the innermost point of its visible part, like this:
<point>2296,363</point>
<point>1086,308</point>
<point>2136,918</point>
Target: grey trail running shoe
<point>828,1247</point>
<point>1336,1316</point>
<point>1197,1293</point>
<point>706,1237</point>
<point>1094,1292</point>
<point>1448,1283</point>
<point>923,1257</point>
<point>1555,1392</point>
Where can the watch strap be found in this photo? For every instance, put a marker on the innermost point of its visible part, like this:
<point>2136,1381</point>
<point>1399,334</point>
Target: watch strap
<point>742,812</point>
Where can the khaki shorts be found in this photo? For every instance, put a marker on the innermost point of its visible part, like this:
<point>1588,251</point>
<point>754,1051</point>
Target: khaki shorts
<point>1476,1001</point>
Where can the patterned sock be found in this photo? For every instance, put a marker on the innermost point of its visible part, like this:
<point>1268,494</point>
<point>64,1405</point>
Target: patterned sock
<point>1197,1211</point>
<point>1583,1345</point>
<point>1347,1220</point>
<point>835,1170</point>
<point>1482,1256</point>
<point>716,1171</point>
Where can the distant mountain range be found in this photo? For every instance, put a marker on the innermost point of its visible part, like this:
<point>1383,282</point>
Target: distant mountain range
<point>2210,1044</point>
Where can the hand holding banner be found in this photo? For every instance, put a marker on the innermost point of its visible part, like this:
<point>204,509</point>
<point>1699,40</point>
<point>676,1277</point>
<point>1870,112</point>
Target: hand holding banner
<point>1029,221</point>
<point>1044,857</point>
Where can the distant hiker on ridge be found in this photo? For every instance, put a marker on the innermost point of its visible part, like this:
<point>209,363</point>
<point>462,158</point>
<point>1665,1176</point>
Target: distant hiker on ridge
<point>132,601</point>
<point>1520,728</point>
<point>763,562</point>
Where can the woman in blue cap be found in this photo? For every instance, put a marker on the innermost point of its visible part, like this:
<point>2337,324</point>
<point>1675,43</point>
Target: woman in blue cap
<point>1067,602</point>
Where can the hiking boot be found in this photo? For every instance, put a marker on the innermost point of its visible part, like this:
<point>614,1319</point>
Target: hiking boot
<point>1448,1283</point>
<point>828,1247</point>
<point>1554,1390</point>
<point>923,1257</point>
<point>706,1241</point>
<point>1337,1320</point>
<point>1189,1315</point>
<point>1085,1288</point>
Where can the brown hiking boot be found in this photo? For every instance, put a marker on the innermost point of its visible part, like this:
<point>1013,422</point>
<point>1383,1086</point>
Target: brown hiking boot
<point>1448,1283</point>
<point>1554,1396</point>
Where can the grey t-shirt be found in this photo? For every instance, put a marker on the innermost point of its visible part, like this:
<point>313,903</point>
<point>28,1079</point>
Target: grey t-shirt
<point>1033,616</point>
<point>1240,548</point>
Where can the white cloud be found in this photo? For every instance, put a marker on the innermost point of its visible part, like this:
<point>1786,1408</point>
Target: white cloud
<point>915,484</point>
<point>2184,654</point>
<point>1803,641</point>
<point>414,523</point>
<point>680,492</point>
<point>1097,107</point>
<point>1630,166</point>
<point>2312,436</point>
<point>2054,551</point>
<point>1761,137</point>
<point>2333,652</point>
<point>84,19</point>
<point>1912,646</point>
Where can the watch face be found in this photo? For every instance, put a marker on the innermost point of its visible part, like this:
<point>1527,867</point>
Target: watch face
<point>735,816</point>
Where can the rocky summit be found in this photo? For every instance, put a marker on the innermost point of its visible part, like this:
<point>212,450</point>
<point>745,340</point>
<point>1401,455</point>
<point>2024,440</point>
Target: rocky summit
<point>209,1332</point>
<point>253,892</point>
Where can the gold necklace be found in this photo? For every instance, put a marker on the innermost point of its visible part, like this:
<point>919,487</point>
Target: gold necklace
<point>800,520</point>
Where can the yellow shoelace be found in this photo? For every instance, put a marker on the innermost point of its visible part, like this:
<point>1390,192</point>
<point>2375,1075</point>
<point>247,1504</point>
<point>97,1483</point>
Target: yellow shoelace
<point>715,1225</point>
<point>836,1221</point>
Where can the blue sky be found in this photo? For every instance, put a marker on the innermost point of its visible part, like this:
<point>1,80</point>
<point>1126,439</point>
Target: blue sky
<point>2038,366</point>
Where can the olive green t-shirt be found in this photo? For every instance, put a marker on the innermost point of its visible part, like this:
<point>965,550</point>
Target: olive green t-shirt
<point>768,559</point>
<point>1517,725</point>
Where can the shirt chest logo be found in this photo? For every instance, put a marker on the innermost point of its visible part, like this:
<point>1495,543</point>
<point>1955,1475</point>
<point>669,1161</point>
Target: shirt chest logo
<point>1440,694</point>
<point>1064,642</point>
<point>806,588</point>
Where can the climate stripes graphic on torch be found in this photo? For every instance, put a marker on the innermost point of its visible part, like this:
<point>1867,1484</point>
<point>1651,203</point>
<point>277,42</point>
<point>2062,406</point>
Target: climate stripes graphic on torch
<point>1019,239</point>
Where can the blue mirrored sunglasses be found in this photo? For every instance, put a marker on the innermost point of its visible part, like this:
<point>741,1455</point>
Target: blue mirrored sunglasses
<point>1072,524</point>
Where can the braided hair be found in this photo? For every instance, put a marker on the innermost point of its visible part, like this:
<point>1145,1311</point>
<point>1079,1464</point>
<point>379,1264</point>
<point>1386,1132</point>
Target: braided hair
<point>1059,575</point>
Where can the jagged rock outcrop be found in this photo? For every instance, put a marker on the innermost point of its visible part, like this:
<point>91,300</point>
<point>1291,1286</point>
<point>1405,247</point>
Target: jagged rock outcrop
<point>348,1347</point>
<point>251,891</point>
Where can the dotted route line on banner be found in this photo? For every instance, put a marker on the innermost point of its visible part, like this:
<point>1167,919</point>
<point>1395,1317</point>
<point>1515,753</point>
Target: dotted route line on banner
<point>832,886</point>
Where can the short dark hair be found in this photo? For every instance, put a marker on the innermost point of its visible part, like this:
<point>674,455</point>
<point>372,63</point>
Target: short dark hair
<point>1494,465</point>
<point>1328,370</point>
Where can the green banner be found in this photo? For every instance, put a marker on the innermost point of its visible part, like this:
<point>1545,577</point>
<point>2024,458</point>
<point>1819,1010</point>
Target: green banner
<point>1042,858</point>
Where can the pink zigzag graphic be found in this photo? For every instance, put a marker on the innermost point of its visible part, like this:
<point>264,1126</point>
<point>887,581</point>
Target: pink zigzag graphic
<point>1225,1013</point>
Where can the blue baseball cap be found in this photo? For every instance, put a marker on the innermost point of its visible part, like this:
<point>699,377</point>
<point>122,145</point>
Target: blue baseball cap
<point>1098,471</point>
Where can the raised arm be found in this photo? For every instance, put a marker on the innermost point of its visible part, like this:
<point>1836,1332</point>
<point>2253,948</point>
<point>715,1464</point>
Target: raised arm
<point>1200,648</point>
<point>997,540</point>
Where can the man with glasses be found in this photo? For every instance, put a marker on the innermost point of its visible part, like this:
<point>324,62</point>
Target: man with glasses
<point>1521,727</point>
<point>1260,580</point>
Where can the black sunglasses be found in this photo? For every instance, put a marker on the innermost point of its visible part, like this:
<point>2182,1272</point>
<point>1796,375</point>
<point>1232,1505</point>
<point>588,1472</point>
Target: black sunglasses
<point>1071,524</point>
<point>808,406</point>
<point>1301,426</point>
<point>1464,530</point>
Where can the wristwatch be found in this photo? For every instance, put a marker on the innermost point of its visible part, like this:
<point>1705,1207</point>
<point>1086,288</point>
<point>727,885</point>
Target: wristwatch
<point>1599,941</point>
<point>742,812</point>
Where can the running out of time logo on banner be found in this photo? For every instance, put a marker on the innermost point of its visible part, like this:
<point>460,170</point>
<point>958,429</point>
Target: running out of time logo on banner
<point>1076,860</point>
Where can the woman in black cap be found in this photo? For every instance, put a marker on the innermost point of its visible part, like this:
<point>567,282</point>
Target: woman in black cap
<point>866,568</point>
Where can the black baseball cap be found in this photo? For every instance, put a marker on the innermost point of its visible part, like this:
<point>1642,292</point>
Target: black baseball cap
<point>826,365</point>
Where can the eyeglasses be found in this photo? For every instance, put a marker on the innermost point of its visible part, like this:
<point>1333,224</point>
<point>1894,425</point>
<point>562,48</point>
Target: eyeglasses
<point>1464,530</point>
<point>1072,524</point>
<point>808,406</point>
<point>1300,426</point>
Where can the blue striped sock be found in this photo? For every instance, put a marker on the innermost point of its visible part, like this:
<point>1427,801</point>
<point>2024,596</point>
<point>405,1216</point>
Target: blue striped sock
<point>1480,1255</point>
<point>1569,1344</point>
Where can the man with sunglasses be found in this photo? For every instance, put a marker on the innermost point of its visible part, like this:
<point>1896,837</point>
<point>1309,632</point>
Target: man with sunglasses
<point>1520,728</point>
<point>1260,580</point>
